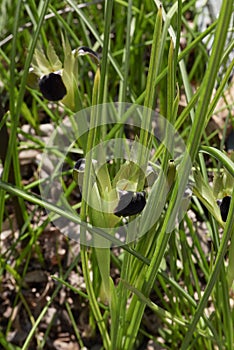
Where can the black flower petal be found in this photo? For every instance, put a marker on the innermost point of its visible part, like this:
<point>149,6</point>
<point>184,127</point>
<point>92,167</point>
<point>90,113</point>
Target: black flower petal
<point>224,207</point>
<point>52,87</point>
<point>79,169</point>
<point>84,50</point>
<point>80,165</point>
<point>130,203</point>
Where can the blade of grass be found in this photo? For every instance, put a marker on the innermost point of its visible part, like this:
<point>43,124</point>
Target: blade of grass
<point>105,48</point>
<point>149,101</point>
<point>220,156</point>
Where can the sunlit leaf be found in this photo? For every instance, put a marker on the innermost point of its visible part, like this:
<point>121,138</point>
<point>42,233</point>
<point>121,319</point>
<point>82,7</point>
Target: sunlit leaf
<point>53,58</point>
<point>69,74</point>
<point>40,63</point>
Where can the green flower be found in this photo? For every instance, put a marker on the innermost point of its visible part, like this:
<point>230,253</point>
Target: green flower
<point>56,81</point>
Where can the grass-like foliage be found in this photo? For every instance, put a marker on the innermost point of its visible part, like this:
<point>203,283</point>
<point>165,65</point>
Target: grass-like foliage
<point>142,72</point>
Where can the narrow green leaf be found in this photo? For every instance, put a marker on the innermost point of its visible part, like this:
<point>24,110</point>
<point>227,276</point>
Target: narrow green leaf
<point>221,156</point>
<point>149,101</point>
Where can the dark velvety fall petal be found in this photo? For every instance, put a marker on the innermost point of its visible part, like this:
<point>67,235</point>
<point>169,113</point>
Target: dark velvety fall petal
<point>224,207</point>
<point>84,50</point>
<point>130,203</point>
<point>80,165</point>
<point>52,87</point>
<point>230,141</point>
<point>78,171</point>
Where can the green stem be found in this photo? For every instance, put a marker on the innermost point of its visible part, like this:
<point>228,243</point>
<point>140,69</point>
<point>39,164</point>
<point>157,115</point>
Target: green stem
<point>92,299</point>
